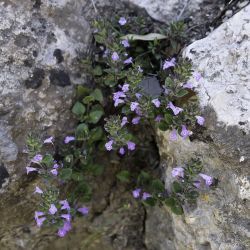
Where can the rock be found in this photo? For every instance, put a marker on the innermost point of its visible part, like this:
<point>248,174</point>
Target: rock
<point>222,215</point>
<point>41,45</point>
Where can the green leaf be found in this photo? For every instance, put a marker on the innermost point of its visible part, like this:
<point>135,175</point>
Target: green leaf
<point>82,91</point>
<point>48,160</point>
<point>170,201</point>
<point>95,134</point>
<point>163,126</point>
<point>77,176</point>
<point>65,174</point>
<point>193,195</point>
<point>97,169</point>
<point>97,71</point>
<point>88,99</point>
<point>177,188</point>
<point>150,201</point>
<point>99,38</point>
<point>123,176</point>
<point>82,131</point>
<point>177,208</point>
<point>168,118</point>
<point>181,93</point>
<point>148,37</point>
<point>144,178</point>
<point>97,94</point>
<point>157,186</point>
<point>78,109</point>
<point>95,114</point>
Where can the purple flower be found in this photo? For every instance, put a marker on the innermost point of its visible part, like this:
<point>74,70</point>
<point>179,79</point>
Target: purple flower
<point>128,61</point>
<point>158,118</point>
<point>37,158</point>
<point>197,76</point>
<point>118,95</point>
<point>117,102</point>
<point>140,69</point>
<point>65,205</point>
<point>138,111</point>
<point>173,136</point>
<point>138,96</point>
<point>134,105</point>
<point>65,229</point>
<point>200,120</point>
<point>124,121</point>
<point>156,102</point>
<point>67,217</point>
<point>122,21</point>
<point>184,132</point>
<point>69,139</point>
<point>131,145</point>
<point>176,110</point>
<point>197,184</point>
<point>125,87</point>
<point>208,179</point>
<point>115,56</point>
<point>83,210</point>
<point>56,166</point>
<point>38,213</point>
<point>187,85</point>
<point>125,43</point>
<point>145,196</point>
<point>121,151</point>
<point>54,172</point>
<point>166,90</point>
<point>167,64</point>
<point>136,120</point>
<point>49,140</point>
<point>39,221</point>
<point>52,209</point>
<point>30,169</point>
<point>178,172</point>
<point>136,193</point>
<point>38,190</point>
<point>108,145</point>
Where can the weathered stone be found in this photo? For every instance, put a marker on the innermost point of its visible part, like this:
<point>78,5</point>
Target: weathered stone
<point>221,218</point>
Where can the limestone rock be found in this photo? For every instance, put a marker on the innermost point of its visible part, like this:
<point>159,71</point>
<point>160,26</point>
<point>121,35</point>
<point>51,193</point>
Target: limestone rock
<point>222,215</point>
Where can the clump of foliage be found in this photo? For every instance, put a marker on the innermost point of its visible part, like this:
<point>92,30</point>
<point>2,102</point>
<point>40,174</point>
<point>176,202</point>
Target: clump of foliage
<point>139,80</point>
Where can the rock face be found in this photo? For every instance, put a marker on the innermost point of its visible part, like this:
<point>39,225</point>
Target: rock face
<point>41,44</point>
<point>222,216</point>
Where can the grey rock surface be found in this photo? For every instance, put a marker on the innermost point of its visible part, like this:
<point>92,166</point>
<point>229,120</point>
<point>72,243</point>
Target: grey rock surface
<point>222,216</point>
<point>41,44</point>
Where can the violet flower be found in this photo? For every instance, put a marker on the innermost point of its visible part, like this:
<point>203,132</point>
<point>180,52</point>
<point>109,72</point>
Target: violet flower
<point>136,193</point>
<point>38,190</point>
<point>178,172</point>
<point>122,21</point>
<point>200,120</point>
<point>125,87</point>
<point>30,169</point>
<point>54,172</point>
<point>136,120</point>
<point>68,139</point>
<point>156,102</point>
<point>118,95</point>
<point>39,221</point>
<point>145,196</point>
<point>56,166</point>
<point>83,210</point>
<point>108,145</point>
<point>52,209</point>
<point>124,121</point>
<point>131,145</point>
<point>65,229</point>
<point>176,110</point>
<point>49,140</point>
<point>128,61</point>
<point>37,158</point>
<point>208,179</point>
<point>197,184</point>
<point>138,96</point>
<point>173,136</point>
<point>67,217</point>
<point>125,43</point>
<point>117,102</point>
<point>197,76</point>
<point>187,85</point>
<point>184,132</point>
<point>65,205</point>
<point>167,64</point>
<point>122,151</point>
<point>134,105</point>
<point>158,118</point>
<point>115,56</point>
